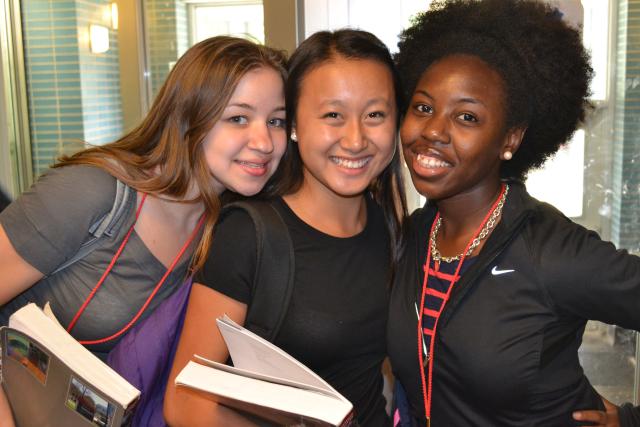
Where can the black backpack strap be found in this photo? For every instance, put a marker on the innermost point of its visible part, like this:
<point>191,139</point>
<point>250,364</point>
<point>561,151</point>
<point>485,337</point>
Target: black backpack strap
<point>273,280</point>
<point>105,226</point>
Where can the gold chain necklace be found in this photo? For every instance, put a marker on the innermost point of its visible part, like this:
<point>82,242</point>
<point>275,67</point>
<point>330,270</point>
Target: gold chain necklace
<point>491,222</point>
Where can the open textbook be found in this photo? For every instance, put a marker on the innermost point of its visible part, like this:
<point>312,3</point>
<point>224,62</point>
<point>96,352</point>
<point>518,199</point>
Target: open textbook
<point>266,382</point>
<point>52,380</point>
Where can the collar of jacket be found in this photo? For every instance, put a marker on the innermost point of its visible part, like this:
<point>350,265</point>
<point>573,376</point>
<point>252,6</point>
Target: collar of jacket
<point>517,210</point>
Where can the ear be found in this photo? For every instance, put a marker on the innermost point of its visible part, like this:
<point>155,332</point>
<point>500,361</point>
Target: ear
<point>512,141</point>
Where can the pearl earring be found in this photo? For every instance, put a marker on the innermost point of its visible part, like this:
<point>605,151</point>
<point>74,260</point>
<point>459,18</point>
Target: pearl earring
<point>507,155</point>
<point>294,137</point>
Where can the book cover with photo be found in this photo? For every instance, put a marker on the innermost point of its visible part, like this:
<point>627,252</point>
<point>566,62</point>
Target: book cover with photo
<point>52,380</point>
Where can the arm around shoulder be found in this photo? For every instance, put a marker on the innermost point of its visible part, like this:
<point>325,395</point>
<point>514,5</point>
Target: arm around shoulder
<point>200,335</point>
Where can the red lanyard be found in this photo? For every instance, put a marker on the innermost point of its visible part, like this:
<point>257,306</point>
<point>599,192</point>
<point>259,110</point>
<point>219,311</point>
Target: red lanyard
<point>427,379</point>
<point>126,327</point>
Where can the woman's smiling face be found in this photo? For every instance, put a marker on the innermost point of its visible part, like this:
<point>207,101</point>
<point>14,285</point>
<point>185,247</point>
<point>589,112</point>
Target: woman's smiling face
<point>346,124</point>
<point>454,131</point>
<point>244,147</point>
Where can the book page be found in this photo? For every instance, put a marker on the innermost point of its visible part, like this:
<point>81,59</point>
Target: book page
<point>280,397</point>
<point>49,313</point>
<point>253,353</point>
<point>258,376</point>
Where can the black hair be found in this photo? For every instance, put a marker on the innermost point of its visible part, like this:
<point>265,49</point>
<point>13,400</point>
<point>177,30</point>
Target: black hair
<point>541,59</point>
<point>319,48</point>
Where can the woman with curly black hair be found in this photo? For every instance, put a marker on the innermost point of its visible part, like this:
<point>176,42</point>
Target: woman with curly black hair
<point>495,288</point>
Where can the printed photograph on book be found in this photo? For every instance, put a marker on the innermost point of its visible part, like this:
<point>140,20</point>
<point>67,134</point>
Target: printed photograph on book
<point>29,355</point>
<point>85,401</point>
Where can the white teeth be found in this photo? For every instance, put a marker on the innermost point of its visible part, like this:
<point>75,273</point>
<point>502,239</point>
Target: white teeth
<point>252,165</point>
<point>431,162</point>
<point>350,164</point>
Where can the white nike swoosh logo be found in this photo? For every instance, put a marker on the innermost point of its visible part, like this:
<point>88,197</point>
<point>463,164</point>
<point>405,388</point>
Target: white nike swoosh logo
<point>497,272</point>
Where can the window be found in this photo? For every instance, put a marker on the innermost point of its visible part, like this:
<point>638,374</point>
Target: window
<point>236,18</point>
<point>171,27</point>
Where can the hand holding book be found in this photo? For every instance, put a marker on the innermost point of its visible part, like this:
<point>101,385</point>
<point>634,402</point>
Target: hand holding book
<point>267,382</point>
<point>48,376</point>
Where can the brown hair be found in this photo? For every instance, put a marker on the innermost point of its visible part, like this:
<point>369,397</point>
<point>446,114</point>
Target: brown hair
<point>169,139</point>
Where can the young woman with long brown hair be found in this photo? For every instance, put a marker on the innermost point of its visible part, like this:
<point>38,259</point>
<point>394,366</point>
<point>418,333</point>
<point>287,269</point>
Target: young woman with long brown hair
<point>218,123</point>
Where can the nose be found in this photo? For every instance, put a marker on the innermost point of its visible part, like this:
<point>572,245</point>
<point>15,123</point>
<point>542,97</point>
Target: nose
<point>435,129</point>
<point>260,139</point>
<point>354,138</point>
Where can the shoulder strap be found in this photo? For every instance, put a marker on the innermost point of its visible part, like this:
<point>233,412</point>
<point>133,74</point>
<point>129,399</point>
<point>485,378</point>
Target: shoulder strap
<point>105,226</point>
<point>273,280</point>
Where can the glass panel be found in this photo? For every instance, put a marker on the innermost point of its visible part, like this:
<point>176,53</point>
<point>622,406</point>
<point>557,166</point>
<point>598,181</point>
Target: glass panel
<point>72,64</point>
<point>245,19</point>
<point>73,88</point>
<point>172,26</point>
<point>594,179</point>
<point>167,35</point>
<point>15,145</point>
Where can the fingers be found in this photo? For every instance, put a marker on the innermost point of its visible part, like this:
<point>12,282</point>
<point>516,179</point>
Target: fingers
<point>598,417</point>
<point>608,405</point>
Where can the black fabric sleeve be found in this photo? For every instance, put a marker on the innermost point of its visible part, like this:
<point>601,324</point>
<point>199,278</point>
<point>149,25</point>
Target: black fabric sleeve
<point>588,277</point>
<point>4,200</point>
<point>49,222</point>
<point>231,263</point>
<point>629,415</point>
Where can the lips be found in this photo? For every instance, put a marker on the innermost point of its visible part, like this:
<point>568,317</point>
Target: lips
<point>429,164</point>
<point>255,168</point>
<point>350,163</point>
<point>254,165</point>
<point>429,161</point>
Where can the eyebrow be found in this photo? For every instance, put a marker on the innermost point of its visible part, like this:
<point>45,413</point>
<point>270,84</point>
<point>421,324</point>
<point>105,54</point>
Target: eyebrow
<point>471,101</point>
<point>251,107</point>
<point>465,100</point>
<point>338,102</point>
<point>242,105</point>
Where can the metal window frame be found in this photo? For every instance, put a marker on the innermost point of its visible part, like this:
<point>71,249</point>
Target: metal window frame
<point>16,111</point>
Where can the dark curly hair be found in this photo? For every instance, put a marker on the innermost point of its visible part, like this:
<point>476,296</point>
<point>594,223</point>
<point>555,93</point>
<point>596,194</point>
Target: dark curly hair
<point>541,59</point>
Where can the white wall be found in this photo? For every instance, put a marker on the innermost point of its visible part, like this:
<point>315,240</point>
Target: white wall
<point>383,18</point>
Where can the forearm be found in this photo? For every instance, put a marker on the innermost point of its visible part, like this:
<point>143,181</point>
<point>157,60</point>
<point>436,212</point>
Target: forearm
<point>187,407</point>
<point>200,335</point>
<point>6,417</point>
